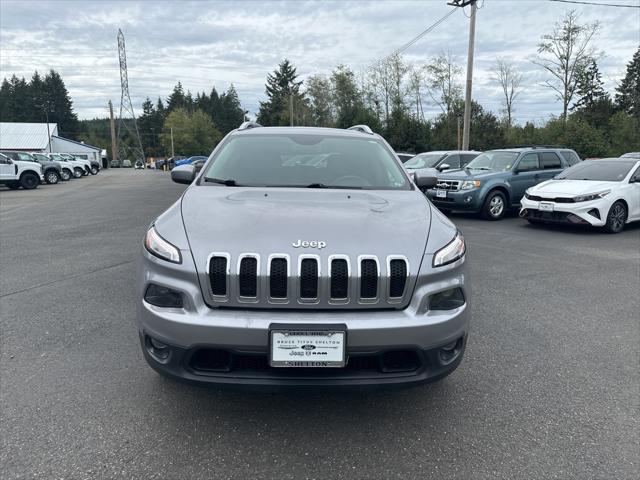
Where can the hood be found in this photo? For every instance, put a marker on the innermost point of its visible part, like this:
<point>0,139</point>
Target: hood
<point>269,220</point>
<point>470,174</point>
<point>570,188</point>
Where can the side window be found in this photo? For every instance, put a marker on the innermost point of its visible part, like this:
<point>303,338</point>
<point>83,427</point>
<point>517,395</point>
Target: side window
<point>453,161</point>
<point>529,162</point>
<point>570,157</point>
<point>636,176</point>
<point>466,158</point>
<point>550,160</point>
<point>12,155</point>
<point>4,160</point>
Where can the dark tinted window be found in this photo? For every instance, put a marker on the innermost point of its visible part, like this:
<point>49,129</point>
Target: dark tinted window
<point>453,161</point>
<point>550,160</point>
<point>467,157</point>
<point>4,159</point>
<point>570,157</point>
<point>529,162</point>
<point>598,170</point>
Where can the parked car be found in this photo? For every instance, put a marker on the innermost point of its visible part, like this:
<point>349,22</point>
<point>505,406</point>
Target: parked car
<point>496,180</point>
<point>187,161</point>
<point>602,193</point>
<point>631,155</point>
<point>52,171</point>
<point>442,160</point>
<point>404,157</point>
<point>77,167</point>
<point>115,164</point>
<point>139,165</point>
<point>198,164</point>
<point>16,173</point>
<point>86,165</point>
<point>66,171</point>
<point>91,166</point>
<point>126,164</point>
<point>338,296</point>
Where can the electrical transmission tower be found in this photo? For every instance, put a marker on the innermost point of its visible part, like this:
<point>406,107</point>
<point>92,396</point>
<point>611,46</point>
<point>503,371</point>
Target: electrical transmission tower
<point>127,125</point>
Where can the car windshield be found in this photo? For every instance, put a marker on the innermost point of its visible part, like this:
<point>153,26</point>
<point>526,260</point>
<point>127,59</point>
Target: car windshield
<point>304,160</point>
<point>26,157</point>
<point>493,161</point>
<point>57,158</point>
<point>425,160</point>
<point>40,157</point>
<point>598,170</point>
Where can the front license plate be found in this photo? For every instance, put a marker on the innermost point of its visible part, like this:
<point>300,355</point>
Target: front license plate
<point>546,207</point>
<point>441,193</point>
<point>308,348</point>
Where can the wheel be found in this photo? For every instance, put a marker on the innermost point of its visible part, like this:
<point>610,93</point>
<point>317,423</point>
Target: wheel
<point>495,206</point>
<point>77,172</point>
<point>29,181</point>
<point>94,170</point>
<point>616,218</point>
<point>13,185</point>
<point>51,177</point>
<point>66,174</point>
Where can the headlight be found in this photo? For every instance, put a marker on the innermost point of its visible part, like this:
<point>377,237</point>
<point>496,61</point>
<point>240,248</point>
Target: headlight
<point>158,246</point>
<point>453,251</point>
<point>469,184</point>
<point>592,196</point>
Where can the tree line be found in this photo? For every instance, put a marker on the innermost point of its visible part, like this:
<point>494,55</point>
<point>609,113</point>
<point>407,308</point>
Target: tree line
<point>390,96</point>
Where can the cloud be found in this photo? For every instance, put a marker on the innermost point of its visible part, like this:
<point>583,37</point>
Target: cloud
<point>203,44</point>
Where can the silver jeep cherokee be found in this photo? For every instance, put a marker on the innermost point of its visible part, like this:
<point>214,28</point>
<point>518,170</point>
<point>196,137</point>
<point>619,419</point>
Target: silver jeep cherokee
<point>303,257</point>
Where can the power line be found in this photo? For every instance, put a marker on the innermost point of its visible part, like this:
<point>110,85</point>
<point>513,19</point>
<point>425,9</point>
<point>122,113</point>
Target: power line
<point>597,3</point>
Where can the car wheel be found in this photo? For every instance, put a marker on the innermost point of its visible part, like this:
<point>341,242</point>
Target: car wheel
<point>52,177</point>
<point>13,185</point>
<point>77,172</point>
<point>495,206</point>
<point>616,218</point>
<point>66,174</point>
<point>94,170</point>
<point>29,181</point>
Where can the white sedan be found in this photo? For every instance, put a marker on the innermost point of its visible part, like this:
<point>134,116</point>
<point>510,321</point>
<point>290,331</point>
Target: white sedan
<point>603,193</point>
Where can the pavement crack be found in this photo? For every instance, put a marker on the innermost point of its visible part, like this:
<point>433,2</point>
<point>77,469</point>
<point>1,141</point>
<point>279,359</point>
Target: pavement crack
<point>71,277</point>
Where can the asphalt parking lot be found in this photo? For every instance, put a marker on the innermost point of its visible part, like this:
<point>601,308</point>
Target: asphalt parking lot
<point>549,387</point>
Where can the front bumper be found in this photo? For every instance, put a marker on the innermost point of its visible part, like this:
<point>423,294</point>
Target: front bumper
<point>592,213</point>
<point>466,200</point>
<point>241,336</point>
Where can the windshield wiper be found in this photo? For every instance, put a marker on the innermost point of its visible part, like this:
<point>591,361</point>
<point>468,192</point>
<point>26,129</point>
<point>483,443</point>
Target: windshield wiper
<point>228,182</point>
<point>477,168</point>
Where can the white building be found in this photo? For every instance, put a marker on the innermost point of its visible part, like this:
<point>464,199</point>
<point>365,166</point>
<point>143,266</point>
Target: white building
<point>43,137</point>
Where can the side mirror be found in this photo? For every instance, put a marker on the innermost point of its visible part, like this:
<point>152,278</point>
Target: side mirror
<point>444,166</point>
<point>183,174</point>
<point>424,180</point>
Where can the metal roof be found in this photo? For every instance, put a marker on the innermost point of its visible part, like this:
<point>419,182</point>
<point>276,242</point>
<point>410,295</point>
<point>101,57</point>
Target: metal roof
<point>25,136</point>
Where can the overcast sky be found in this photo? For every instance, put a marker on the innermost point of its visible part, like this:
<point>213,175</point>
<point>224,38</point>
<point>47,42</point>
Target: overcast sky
<point>203,43</point>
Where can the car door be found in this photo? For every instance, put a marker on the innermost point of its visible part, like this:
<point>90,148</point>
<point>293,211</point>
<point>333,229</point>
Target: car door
<point>526,173</point>
<point>551,165</point>
<point>7,169</point>
<point>633,196</point>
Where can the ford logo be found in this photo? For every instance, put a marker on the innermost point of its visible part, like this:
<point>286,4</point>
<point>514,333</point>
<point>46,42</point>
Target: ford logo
<point>308,347</point>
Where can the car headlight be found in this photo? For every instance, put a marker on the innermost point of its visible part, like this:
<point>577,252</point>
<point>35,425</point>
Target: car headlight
<point>591,196</point>
<point>158,246</point>
<point>469,184</point>
<point>453,251</point>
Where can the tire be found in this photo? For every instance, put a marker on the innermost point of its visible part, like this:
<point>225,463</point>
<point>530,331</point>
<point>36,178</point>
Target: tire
<point>51,177</point>
<point>616,218</point>
<point>495,206</point>
<point>85,172</point>
<point>66,174</point>
<point>94,170</point>
<point>77,172</point>
<point>13,185</point>
<point>29,181</point>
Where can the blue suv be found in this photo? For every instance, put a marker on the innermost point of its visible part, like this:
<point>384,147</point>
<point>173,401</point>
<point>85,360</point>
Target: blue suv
<point>495,181</point>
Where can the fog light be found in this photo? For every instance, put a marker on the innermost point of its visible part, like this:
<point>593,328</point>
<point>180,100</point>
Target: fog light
<point>157,349</point>
<point>468,198</point>
<point>447,300</point>
<point>448,353</point>
<point>163,296</point>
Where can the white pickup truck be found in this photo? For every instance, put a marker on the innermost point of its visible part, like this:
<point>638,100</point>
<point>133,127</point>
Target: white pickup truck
<point>15,174</point>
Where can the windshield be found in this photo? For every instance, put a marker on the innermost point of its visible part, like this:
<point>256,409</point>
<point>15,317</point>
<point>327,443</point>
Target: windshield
<point>598,170</point>
<point>493,161</point>
<point>41,157</point>
<point>57,158</point>
<point>302,160</point>
<point>425,160</point>
<point>26,157</point>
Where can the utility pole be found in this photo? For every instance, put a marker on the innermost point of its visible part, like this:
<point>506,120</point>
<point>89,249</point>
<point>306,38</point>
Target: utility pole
<point>291,108</point>
<point>173,154</point>
<point>468,90</point>
<point>459,133</point>
<point>46,113</point>
<point>112,123</point>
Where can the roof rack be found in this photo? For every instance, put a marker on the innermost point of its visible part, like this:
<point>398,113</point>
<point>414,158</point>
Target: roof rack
<point>361,128</point>
<point>535,146</point>
<point>248,125</point>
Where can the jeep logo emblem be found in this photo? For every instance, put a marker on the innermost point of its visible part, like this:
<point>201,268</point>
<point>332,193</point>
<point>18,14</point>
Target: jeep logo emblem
<point>306,244</point>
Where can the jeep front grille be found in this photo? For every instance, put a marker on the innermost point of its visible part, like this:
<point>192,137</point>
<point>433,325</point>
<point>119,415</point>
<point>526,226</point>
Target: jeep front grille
<point>308,280</point>
<point>448,184</point>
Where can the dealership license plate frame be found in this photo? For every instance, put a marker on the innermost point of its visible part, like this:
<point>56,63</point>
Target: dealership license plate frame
<point>440,193</point>
<point>308,335</point>
<point>545,207</point>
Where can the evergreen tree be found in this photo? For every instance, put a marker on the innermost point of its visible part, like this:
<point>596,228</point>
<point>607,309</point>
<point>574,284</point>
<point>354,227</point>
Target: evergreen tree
<point>594,104</point>
<point>231,114</point>
<point>59,105</point>
<point>282,89</point>
<point>628,92</point>
<point>177,99</point>
<point>6,110</point>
